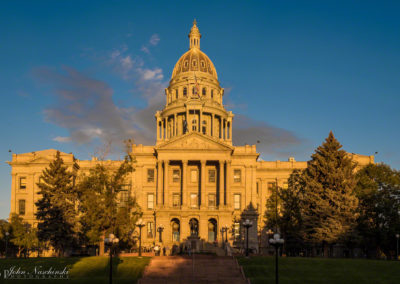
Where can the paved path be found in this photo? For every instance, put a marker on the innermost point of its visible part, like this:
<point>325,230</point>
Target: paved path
<point>179,270</point>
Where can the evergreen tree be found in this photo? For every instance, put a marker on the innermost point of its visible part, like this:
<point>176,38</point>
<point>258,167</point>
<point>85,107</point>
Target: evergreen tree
<point>272,218</point>
<point>378,190</point>
<point>102,209</point>
<point>56,209</point>
<point>329,203</point>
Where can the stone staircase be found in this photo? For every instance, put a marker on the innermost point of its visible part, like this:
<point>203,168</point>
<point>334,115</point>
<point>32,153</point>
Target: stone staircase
<point>208,269</point>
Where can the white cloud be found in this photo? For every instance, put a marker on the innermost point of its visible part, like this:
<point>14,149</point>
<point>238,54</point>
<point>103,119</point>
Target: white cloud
<point>126,63</point>
<point>145,49</point>
<point>62,139</point>
<point>155,74</point>
<point>154,40</point>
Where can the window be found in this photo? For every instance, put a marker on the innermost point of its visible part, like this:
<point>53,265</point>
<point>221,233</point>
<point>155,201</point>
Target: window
<point>271,185</point>
<point>237,176</point>
<point>212,94</point>
<point>194,90</point>
<point>204,127</point>
<point>204,92</point>
<point>211,175</point>
<point>236,231</point>
<point>176,175</point>
<point>194,63</point>
<point>150,201</point>
<point>257,187</point>
<point>194,124</point>
<point>285,185</point>
<point>150,175</point>
<point>202,64</point>
<point>124,196</point>
<point>185,92</point>
<point>176,94</point>
<point>21,206</point>
<point>211,200</point>
<point>176,200</point>
<point>150,227</point>
<point>236,201</point>
<point>22,183</point>
<point>193,200</point>
<point>186,63</point>
<point>193,176</point>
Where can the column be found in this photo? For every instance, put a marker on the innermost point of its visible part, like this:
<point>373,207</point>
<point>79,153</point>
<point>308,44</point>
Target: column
<point>200,120</point>
<point>162,129</point>
<point>159,192</point>
<point>187,119</point>
<point>230,129</point>
<point>158,128</point>
<point>221,183</point>
<point>203,184</point>
<point>225,130</point>
<point>175,124</point>
<point>166,179</point>
<point>212,124</point>
<point>184,181</point>
<point>228,173</point>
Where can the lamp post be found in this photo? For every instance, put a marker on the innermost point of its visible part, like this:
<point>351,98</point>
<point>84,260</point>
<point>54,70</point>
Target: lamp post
<point>247,224</point>
<point>226,233</point>
<point>397,246</point>
<point>111,240</point>
<point>140,224</point>
<point>222,233</point>
<point>160,229</point>
<point>276,242</point>
<point>7,234</point>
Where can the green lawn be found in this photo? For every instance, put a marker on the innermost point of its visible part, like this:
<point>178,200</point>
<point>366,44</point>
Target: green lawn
<point>322,271</point>
<point>81,269</point>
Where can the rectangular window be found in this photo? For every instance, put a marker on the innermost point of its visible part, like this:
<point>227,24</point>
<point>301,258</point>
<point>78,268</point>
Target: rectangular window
<point>21,207</point>
<point>176,200</point>
<point>285,185</point>
<point>237,176</point>
<point>176,175</point>
<point>124,196</point>
<point>211,176</point>
<point>211,200</point>
<point>271,185</point>
<point>236,201</point>
<point>150,201</point>
<point>193,200</point>
<point>150,229</point>
<point>193,176</point>
<point>22,183</point>
<point>150,175</point>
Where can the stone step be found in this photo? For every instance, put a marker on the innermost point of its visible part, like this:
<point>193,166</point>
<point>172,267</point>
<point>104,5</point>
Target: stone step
<point>209,269</point>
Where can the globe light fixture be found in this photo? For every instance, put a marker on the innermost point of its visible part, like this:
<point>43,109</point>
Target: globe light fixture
<point>111,240</point>
<point>247,224</point>
<point>140,225</point>
<point>160,229</point>
<point>276,241</point>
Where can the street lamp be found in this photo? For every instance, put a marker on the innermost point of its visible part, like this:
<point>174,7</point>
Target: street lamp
<point>276,242</point>
<point>140,224</point>
<point>223,229</point>
<point>160,229</point>
<point>226,233</point>
<point>247,224</point>
<point>7,234</point>
<point>111,240</point>
<point>397,246</point>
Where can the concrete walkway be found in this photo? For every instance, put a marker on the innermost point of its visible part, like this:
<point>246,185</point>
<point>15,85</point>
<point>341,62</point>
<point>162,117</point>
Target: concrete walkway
<point>179,270</point>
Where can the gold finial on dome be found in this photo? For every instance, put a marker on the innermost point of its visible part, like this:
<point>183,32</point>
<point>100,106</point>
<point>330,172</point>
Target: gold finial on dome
<point>194,36</point>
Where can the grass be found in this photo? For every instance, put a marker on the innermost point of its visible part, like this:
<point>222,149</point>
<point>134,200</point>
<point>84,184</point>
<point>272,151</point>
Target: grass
<point>296,270</point>
<point>81,269</point>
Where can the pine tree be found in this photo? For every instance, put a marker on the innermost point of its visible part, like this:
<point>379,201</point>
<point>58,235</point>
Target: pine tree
<point>329,203</point>
<point>56,209</point>
<point>23,236</point>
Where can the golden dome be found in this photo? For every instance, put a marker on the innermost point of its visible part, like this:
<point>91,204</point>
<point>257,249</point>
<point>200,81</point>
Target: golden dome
<point>194,59</point>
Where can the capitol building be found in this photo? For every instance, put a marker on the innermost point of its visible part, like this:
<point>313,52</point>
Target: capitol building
<point>193,181</point>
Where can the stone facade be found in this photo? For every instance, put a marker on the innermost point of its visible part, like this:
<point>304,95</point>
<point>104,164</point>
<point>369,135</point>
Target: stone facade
<point>193,172</point>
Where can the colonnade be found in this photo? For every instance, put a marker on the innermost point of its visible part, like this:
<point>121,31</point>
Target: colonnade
<point>222,180</point>
<point>168,127</point>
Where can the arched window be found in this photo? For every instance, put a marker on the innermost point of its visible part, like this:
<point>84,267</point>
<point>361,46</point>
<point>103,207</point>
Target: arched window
<point>185,91</point>
<point>204,92</point>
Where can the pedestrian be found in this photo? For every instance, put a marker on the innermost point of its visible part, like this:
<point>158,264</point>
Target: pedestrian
<point>163,251</point>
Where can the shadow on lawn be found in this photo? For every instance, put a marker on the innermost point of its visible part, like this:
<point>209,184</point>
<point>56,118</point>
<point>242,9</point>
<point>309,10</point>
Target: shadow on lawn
<point>81,269</point>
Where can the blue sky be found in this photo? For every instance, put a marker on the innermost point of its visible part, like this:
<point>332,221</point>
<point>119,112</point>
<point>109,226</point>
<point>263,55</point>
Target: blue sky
<point>77,73</point>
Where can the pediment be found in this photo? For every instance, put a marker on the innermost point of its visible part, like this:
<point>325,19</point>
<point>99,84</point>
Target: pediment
<point>40,160</point>
<point>194,141</point>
